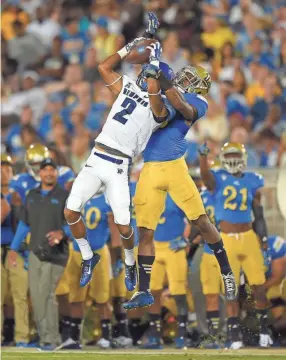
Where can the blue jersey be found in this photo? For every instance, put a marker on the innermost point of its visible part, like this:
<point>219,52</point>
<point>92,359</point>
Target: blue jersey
<point>172,222</point>
<point>234,195</point>
<point>132,186</point>
<point>277,250</point>
<point>95,215</point>
<point>7,233</point>
<point>209,203</point>
<point>169,143</point>
<point>74,46</point>
<point>24,182</point>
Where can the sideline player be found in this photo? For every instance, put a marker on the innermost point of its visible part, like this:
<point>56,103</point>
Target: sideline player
<point>170,262</point>
<point>237,196</point>
<point>99,224</point>
<point>275,283</point>
<point>125,134</point>
<point>165,171</point>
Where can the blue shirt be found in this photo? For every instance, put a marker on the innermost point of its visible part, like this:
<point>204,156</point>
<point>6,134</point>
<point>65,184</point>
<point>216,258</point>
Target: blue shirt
<point>95,215</point>
<point>234,195</point>
<point>277,250</point>
<point>169,143</point>
<point>172,222</point>
<point>208,199</point>
<point>45,126</point>
<point>132,187</point>
<point>74,46</point>
<point>24,182</point>
<point>7,233</point>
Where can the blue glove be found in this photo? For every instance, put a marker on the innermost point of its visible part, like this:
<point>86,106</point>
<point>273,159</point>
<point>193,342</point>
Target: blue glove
<point>178,244</point>
<point>117,268</point>
<point>150,71</point>
<point>155,53</point>
<point>153,23</point>
<point>203,149</point>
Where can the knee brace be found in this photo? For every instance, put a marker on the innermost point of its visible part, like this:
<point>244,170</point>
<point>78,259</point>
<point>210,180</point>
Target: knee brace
<point>74,203</point>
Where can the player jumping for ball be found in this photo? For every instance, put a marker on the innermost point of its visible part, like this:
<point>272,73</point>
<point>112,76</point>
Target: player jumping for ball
<point>125,134</point>
<point>165,171</point>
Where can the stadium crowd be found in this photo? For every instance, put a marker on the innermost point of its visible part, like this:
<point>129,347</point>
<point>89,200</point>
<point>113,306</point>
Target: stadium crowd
<point>52,94</point>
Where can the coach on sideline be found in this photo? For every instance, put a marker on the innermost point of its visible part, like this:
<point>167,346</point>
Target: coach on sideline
<point>43,216</point>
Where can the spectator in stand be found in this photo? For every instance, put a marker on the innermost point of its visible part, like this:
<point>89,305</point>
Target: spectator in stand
<point>10,13</point>
<point>55,109</point>
<point>172,54</point>
<point>104,42</point>
<point>74,41</point>
<point>30,6</point>
<point>215,35</point>
<point>25,47</point>
<point>273,121</point>
<point>240,135</point>
<point>44,26</point>
<point>268,147</point>
<point>80,150</point>
<point>242,8</point>
<point>60,137</point>
<point>281,63</point>
<point>258,54</point>
<point>78,123</point>
<point>90,70</point>
<point>51,67</point>
<point>214,125</point>
<point>13,137</point>
<point>29,136</point>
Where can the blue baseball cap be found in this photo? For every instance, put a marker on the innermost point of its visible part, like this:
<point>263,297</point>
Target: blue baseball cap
<point>102,21</point>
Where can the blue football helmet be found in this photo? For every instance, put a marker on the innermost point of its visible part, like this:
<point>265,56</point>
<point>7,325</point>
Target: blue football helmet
<point>165,68</point>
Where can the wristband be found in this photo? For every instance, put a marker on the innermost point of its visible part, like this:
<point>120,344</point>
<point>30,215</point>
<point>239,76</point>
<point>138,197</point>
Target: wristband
<point>122,52</point>
<point>158,93</point>
<point>165,83</point>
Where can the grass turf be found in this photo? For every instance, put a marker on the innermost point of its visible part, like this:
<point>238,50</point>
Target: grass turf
<point>134,356</point>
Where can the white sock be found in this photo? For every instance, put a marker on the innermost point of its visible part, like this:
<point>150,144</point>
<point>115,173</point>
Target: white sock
<point>129,256</point>
<point>85,249</point>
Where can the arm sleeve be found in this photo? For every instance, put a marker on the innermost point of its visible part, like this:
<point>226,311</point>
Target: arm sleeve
<point>198,102</point>
<point>21,233</point>
<point>170,109</point>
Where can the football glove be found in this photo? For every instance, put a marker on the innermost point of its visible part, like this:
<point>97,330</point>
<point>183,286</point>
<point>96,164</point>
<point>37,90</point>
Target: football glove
<point>153,23</point>
<point>155,53</point>
<point>178,244</point>
<point>132,43</point>
<point>203,149</point>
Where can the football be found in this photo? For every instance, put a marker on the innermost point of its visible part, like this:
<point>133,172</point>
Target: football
<point>139,54</point>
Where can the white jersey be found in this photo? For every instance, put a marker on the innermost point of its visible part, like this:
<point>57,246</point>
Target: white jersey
<point>130,122</point>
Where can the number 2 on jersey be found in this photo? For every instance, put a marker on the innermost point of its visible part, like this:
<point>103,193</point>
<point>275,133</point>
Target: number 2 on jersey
<point>129,106</point>
<point>231,193</point>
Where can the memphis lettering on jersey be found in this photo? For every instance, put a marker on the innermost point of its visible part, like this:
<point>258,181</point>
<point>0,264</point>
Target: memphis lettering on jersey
<point>134,96</point>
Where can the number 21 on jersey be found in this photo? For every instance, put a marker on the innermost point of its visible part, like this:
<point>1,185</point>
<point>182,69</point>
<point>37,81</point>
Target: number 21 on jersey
<point>231,202</point>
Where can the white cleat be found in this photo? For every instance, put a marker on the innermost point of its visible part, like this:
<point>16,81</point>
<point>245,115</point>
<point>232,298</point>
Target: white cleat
<point>236,345</point>
<point>103,343</point>
<point>124,342</point>
<point>265,341</point>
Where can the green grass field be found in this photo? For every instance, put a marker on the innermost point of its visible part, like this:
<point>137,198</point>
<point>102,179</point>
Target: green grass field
<point>166,354</point>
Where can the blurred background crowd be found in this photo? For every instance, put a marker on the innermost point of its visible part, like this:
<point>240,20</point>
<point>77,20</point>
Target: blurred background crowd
<point>52,92</point>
